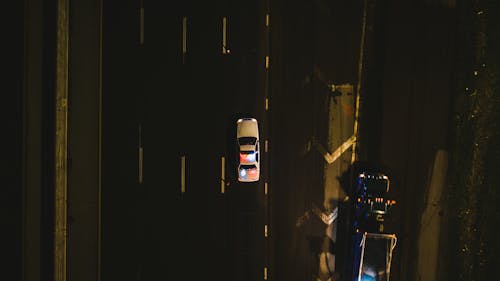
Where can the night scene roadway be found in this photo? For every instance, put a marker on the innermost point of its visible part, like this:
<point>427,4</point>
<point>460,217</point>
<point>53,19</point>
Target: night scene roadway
<point>177,79</point>
<point>128,140</point>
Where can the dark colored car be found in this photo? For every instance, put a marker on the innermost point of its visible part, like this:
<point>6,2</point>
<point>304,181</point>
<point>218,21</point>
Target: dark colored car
<point>371,248</point>
<point>370,199</point>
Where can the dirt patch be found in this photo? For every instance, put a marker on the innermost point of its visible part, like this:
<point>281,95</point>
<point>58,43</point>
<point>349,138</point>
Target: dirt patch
<point>469,247</point>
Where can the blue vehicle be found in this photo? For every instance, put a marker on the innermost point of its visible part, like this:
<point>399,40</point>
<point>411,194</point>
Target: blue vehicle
<point>371,248</point>
<point>370,200</point>
<point>373,256</point>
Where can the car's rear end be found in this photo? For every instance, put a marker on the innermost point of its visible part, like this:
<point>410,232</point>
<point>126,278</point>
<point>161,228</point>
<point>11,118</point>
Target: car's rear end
<point>373,256</point>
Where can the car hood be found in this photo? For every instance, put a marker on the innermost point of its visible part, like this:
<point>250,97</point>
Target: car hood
<point>247,129</point>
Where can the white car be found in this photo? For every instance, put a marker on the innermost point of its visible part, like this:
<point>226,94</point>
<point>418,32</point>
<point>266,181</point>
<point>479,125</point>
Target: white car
<point>247,135</point>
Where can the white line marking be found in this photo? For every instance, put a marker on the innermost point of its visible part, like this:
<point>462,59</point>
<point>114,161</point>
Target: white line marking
<point>140,158</point>
<point>224,38</point>
<point>331,157</point>
<point>223,174</point>
<point>358,86</point>
<point>183,174</point>
<point>141,35</point>
<point>184,38</point>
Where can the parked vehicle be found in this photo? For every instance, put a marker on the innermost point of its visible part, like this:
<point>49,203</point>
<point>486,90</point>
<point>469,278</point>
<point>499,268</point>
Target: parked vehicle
<point>370,194</point>
<point>373,256</point>
<point>371,248</point>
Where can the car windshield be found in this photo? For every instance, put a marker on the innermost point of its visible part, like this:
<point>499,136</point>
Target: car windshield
<point>379,207</point>
<point>376,186</point>
<point>247,167</point>
<point>247,140</point>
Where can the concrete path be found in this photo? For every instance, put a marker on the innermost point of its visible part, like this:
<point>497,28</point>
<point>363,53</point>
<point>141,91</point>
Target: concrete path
<point>428,242</point>
<point>338,154</point>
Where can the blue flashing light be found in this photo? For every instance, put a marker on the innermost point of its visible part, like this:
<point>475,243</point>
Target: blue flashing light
<point>366,277</point>
<point>251,157</point>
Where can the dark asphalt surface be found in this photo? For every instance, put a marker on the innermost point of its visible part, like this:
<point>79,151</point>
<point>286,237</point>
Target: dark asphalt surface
<point>315,43</point>
<point>178,108</point>
<point>415,84</point>
<point>151,231</point>
<point>175,107</point>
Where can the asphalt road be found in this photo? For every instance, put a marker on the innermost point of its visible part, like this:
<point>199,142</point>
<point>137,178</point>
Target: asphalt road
<point>316,44</point>
<point>171,114</point>
<point>171,93</point>
<point>169,111</point>
<point>413,76</point>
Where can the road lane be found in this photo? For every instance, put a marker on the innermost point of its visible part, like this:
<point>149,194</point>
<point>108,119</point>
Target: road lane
<point>412,77</point>
<point>316,44</point>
